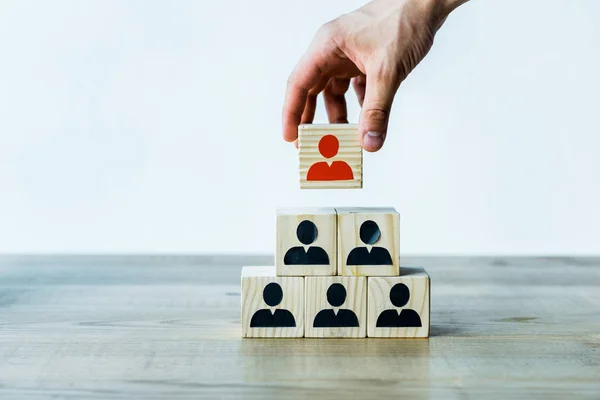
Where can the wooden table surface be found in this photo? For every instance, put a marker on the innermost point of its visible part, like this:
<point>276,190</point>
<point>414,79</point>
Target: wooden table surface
<point>168,327</point>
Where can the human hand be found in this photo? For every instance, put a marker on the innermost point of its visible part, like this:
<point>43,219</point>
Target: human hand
<point>375,47</point>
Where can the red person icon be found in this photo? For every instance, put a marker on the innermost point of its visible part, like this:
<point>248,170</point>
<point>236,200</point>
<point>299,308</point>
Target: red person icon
<point>322,170</point>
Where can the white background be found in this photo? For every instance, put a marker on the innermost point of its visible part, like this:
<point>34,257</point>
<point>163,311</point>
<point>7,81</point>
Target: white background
<point>154,126</point>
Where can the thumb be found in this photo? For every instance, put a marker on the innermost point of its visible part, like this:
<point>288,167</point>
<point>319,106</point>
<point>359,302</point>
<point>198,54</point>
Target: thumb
<point>375,113</point>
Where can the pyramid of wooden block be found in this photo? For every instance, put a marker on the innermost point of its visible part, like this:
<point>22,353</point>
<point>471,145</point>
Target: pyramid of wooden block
<point>330,156</point>
<point>337,274</point>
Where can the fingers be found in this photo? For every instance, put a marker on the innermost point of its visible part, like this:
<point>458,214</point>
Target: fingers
<point>380,90</point>
<point>321,61</point>
<point>304,78</point>
<point>359,88</point>
<point>335,101</point>
<point>311,102</point>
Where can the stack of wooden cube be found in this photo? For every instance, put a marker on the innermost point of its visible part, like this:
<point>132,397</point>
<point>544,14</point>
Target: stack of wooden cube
<point>337,270</point>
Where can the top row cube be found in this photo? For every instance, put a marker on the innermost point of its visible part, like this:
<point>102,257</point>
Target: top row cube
<point>330,156</point>
<point>358,241</point>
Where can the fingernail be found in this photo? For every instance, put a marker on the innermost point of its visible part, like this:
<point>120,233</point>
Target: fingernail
<point>374,139</point>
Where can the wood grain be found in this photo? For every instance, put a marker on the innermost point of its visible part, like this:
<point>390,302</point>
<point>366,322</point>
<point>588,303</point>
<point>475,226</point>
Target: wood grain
<point>378,300</point>
<point>288,220</point>
<point>157,327</point>
<point>350,151</point>
<point>316,300</point>
<point>254,281</point>
<point>350,220</point>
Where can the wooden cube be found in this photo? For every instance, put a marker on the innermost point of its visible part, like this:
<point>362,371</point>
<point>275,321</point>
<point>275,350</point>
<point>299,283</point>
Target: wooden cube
<point>368,241</point>
<point>306,242</point>
<point>272,306</point>
<point>330,156</point>
<point>399,306</point>
<point>336,307</point>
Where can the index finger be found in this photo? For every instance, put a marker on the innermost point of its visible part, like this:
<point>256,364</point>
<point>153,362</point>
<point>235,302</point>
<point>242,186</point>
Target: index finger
<point>304,77</point>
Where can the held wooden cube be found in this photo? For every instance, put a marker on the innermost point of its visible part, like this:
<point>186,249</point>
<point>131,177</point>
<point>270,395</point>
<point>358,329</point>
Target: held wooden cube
<point>272,306</point>
<point>368,241</point>
<point>399,306</point>
<point>336,307</point>
<point>330,156</point>
<point>306,242</point>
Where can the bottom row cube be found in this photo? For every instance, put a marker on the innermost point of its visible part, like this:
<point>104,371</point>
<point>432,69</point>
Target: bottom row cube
<point>335,306</point>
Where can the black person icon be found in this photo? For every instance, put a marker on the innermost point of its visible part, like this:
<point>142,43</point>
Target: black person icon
<point>406,318</point>
<point>279,318</point>
<point>307,234</point>
<point>369,234</point>
<point>344,318</point>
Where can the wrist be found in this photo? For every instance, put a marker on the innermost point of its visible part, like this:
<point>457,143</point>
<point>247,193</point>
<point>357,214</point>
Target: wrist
<point>445,7</point>
<point>440,9</point>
